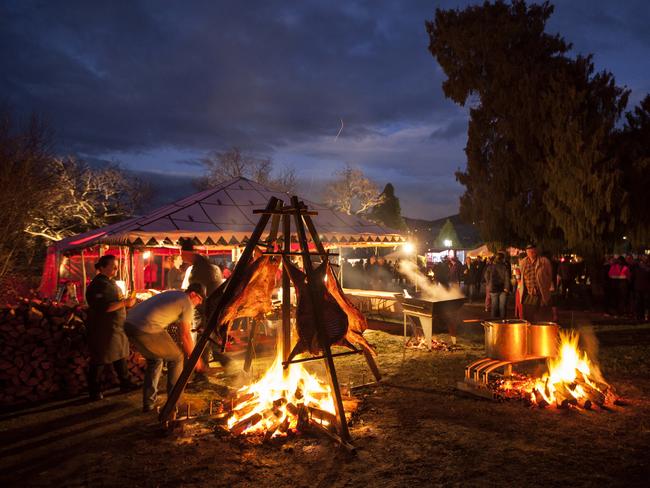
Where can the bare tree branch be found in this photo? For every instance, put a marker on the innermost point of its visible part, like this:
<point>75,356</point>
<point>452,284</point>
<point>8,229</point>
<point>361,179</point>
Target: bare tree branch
<point>233,163</point>
<point>352,192</point>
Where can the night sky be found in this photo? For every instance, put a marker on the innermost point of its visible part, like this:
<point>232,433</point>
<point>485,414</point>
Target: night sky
<point>157,85</point>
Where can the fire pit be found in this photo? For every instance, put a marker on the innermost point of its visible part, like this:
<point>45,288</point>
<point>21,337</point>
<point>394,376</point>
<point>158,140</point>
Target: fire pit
<point>571,380</point>
<point>287,397</point>
<point>283,400</point>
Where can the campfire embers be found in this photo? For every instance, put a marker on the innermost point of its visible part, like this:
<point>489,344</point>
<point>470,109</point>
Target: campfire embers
<point>572,380</point>
<point>420,342</point>
<point>282,401</point>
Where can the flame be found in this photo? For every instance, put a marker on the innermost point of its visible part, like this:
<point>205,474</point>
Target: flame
<point>272,403</point>
<point>572,379</point>
<point>570,375</point>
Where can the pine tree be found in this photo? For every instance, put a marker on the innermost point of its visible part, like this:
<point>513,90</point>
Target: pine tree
<point>447,235</point>
<point>540,165</point>
<point>388,212</point>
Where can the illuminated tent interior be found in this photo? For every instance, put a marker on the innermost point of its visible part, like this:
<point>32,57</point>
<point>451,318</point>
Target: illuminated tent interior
<point>217,220</point>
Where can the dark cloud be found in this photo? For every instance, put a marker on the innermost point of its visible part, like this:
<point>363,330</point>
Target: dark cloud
<point>190,162</point>
<point>454,129</point>
<point>137,74</point>
<point>157,84</point>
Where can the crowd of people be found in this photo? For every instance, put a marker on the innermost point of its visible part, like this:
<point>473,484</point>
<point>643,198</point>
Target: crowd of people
<point>374,273</point>
<point>566,280</point>
<point>538,284</point>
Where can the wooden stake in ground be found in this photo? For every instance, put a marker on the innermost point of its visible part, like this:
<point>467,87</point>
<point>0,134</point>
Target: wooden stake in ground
<point>318,322</point>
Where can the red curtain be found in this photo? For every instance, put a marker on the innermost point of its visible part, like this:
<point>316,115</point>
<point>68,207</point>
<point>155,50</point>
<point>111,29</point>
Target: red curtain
<point>47,288</point>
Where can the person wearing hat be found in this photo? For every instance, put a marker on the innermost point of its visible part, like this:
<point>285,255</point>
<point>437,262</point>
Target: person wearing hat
<point>146,326</point>
<point>537,286</point>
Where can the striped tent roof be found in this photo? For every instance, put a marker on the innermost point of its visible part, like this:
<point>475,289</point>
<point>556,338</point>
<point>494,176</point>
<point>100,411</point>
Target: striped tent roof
<point>223,217</point>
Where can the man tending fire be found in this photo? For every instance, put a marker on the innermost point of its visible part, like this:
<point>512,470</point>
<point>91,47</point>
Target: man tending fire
<point>146,325</point>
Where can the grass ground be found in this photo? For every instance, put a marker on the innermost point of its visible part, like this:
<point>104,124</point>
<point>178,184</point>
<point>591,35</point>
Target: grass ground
<point>415,429</point>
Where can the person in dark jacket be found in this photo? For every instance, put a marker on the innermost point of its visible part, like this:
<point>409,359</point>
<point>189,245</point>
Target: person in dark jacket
<point>201,270</point>
<point>107,341</point>
<point>204,273</point>
<point>497,277</point>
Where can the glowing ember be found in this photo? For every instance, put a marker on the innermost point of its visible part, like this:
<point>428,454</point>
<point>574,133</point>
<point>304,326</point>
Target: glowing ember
<point>436,345</point>
<point>280,401</point>
<point>572,380</point>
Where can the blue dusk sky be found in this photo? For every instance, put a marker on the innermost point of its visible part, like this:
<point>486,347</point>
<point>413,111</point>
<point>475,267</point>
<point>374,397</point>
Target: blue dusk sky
<point>157,85</point>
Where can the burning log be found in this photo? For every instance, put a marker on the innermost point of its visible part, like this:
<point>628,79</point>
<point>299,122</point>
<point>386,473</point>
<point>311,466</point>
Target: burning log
<point>277,404</point>
<point>242,399</point>
<point>245,424</point>
<point>322,416</point>
<point>270,431</point>
<point>292,409</point>
<point>284,426</point>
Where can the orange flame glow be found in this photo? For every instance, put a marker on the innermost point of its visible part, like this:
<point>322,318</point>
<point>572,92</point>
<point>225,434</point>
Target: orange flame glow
<point>572,380</point>
<point>274,400</point>
<point>571,376</point>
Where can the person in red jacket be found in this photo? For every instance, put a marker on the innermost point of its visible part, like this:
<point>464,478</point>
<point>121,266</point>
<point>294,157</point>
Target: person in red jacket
<point>619,275</point>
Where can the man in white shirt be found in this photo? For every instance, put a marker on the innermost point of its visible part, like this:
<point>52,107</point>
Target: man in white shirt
<point>146,326</point>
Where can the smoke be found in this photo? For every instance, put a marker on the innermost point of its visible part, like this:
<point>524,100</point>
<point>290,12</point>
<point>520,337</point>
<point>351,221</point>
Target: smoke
<point>589,343</point>
<point>430,291</point>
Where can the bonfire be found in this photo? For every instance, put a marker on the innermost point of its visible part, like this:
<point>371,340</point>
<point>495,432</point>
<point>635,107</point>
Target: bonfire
<point>572,380</point>
<point>282,401</point>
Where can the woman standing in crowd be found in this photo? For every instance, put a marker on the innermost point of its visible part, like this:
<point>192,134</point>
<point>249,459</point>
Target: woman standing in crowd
<point>619,276</point>
<point>107,342</point>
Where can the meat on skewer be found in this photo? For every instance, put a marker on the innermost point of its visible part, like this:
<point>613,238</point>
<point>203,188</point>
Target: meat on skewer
<point>343,323</point>
<point>251,297</point>
<point>357,322</point>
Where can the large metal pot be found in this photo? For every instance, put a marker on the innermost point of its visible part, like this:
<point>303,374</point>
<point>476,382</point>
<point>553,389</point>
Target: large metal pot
<point>506,339</point>
<point>543,339</point>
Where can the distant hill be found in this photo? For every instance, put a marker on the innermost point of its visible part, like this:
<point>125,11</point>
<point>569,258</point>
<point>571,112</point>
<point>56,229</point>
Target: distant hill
<point>426,231</point>
<point>165,188</point>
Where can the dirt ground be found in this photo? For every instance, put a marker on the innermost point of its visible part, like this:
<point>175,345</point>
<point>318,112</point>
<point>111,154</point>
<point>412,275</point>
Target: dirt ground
<point>415,429</point>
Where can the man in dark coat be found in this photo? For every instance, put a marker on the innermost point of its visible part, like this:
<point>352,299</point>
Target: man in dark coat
<point>497,278</point>
<point>107,342</point>
<point>204,273</point>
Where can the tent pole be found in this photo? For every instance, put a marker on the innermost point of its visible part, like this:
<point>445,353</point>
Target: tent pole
<point>57,264</point>
<point>131,269</point>
<point>83,277</point>
<point>340,253</point>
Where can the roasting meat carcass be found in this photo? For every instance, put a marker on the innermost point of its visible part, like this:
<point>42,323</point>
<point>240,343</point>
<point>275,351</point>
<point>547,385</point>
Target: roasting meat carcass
<point>251,296</point>
<point>343,323</point>
<point>357,322</point>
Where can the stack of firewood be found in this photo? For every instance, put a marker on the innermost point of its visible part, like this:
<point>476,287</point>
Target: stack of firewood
<point>43,352</point>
